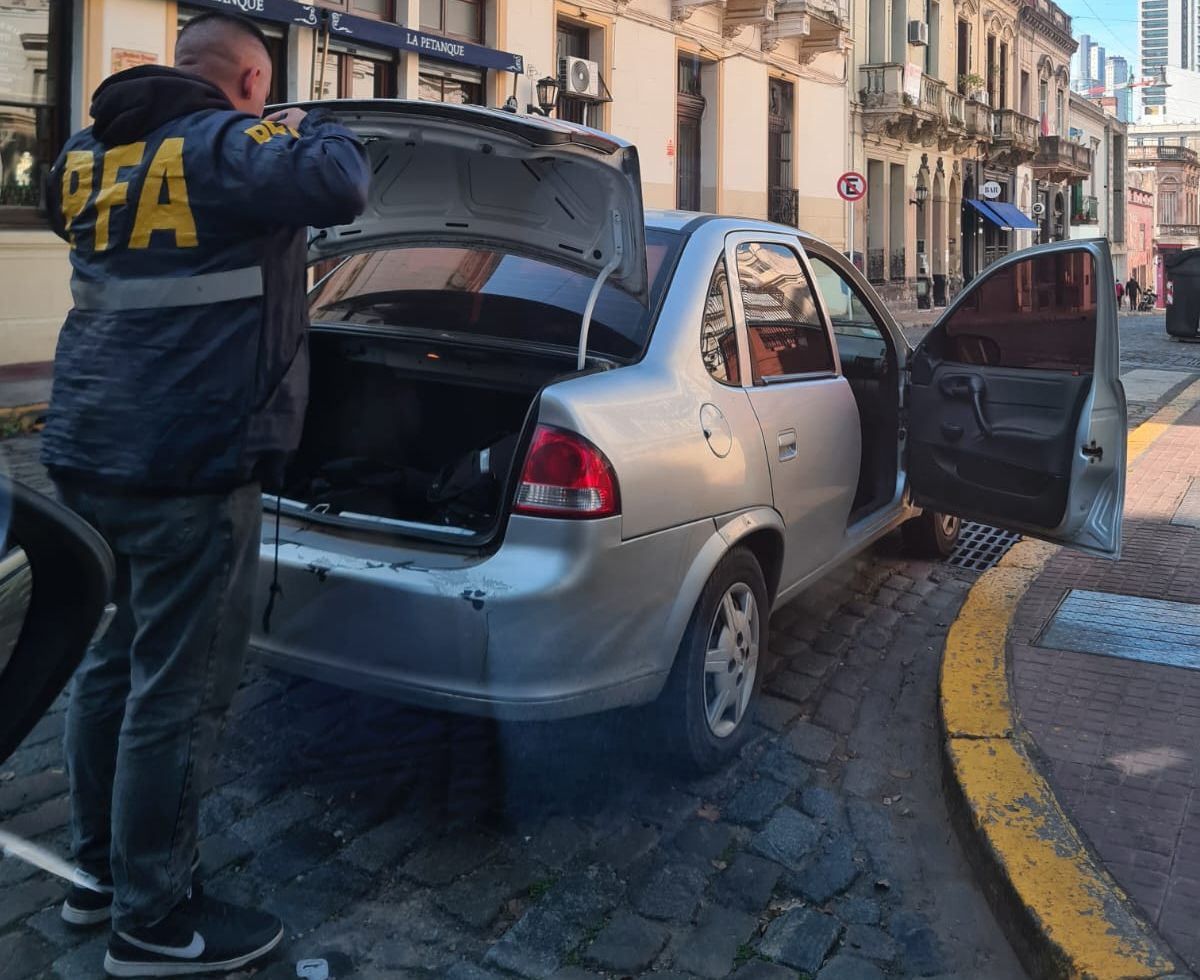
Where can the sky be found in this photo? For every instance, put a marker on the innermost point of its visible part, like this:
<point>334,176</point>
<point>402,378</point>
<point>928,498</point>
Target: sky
<point>1111,23</point>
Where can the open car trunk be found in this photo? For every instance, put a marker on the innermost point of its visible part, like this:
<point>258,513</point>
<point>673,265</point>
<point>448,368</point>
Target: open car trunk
<point>412,435</point>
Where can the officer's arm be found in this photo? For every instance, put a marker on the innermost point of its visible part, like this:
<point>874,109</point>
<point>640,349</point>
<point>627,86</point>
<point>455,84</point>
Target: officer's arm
<point>317,177</point>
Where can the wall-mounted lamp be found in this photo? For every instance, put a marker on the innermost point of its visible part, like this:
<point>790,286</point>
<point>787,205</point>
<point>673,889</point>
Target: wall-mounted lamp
<point>547,96</point>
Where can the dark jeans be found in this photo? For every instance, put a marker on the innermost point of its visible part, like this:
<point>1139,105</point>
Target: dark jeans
<point>149,700</point>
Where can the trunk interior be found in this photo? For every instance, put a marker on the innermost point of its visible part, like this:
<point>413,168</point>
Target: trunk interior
<point>412,432</point>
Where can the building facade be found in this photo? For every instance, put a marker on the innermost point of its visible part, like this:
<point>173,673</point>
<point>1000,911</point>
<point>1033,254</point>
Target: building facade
<point>715,93</point>
<point>962,116</point>
<point>1117,79</point>
<point>1098,201</point>
<point>1088,66</point>
<point>1168,158</point>
<point>1139,226</point>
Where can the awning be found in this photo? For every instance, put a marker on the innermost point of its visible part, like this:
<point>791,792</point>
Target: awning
<point>349,28</point>
<point>280,11</point>
<point>1007,217</point>
<point>985,209</point>
<point>1013,216</point>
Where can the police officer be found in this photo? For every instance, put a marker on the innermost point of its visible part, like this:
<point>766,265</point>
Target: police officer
<point>180,386</point>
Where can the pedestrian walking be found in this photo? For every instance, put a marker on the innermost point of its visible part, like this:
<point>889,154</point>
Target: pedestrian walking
<point>180,384</point>
<point>1120,292</point>
<point>1132,289</point>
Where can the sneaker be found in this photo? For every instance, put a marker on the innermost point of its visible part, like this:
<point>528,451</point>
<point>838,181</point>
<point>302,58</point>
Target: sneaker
<point>84,907</point>
<point>201,935</point>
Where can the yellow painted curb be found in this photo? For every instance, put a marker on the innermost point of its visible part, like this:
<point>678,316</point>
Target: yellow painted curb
<point>1073,919</point>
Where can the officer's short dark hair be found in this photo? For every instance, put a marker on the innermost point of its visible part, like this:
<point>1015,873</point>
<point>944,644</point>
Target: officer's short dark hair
<point>243,24</point>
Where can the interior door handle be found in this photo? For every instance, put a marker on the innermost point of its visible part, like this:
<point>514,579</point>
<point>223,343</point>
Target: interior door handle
<point>787,445</point>
<point>973,387</point>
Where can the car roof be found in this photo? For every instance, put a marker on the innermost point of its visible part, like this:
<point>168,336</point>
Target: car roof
<point>686,222</point>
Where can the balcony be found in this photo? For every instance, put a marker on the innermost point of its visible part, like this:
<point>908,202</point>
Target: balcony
<point>1152,154</point>
<point>913,110</point>
<point>746,13</point>
<point>819,27</point>
<point>979,121</point>
<point>1060,159</point>
<point>783,206</point>
<point>1175,234</point>
<point>1014,137</point>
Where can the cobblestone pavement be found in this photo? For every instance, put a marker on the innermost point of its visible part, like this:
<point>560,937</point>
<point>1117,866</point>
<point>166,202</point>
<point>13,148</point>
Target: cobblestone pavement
<point>403,844</point>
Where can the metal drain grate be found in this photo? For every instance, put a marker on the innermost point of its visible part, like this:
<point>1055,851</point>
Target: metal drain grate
<point>980,546</point>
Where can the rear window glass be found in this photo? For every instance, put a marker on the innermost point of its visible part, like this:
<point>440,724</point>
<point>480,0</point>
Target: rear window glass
<point>491,294</point>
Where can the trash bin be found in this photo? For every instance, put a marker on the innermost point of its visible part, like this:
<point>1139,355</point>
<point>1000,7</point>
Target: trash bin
<point>1183,292</point>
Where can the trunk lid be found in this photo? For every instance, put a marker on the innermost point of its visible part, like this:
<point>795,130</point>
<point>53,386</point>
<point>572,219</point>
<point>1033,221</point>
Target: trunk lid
<point>459,175</point>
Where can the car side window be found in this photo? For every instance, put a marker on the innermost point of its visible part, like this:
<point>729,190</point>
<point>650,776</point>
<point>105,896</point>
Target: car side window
<point>785,330</point>
<point>857,332</point>
<point>1038,313</point>
<point>718,338</point>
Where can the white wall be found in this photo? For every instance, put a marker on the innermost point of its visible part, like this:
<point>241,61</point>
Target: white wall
<point>821,151</point>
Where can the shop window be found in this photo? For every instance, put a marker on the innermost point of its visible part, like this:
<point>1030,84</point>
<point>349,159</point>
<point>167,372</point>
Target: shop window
<point>451,85</point>
<point>573,41</point>
<point>375,9</point>
<point>351,76</point>
<point>33,41</point>
<point>276,46</point>
<point>461,19</point>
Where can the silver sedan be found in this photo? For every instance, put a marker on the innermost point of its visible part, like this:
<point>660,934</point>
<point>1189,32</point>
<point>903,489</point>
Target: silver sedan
<point>563,456</point>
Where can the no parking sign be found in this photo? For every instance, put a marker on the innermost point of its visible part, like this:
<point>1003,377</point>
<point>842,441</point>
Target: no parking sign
<point>852,186</point>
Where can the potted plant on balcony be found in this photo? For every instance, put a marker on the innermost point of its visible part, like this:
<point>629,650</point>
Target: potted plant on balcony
<point>972,87</point>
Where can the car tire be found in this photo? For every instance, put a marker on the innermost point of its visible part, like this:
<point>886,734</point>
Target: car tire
<point>932,535</point>
<point>730,622</point>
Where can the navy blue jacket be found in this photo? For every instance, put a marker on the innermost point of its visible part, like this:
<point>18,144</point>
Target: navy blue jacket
<point>160,393</point>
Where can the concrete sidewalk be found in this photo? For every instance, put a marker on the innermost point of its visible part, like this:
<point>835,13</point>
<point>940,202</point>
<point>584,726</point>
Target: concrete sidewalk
<point>1108,685</point>
<point>1070,708</point>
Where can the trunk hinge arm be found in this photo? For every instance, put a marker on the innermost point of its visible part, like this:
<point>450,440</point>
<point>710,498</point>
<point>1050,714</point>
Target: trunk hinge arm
<point>608,270</point>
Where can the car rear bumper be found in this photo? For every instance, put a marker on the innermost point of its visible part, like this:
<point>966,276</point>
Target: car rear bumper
<point>564,619</point>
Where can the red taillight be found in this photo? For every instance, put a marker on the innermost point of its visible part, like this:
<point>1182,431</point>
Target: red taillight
<point>566,476</point>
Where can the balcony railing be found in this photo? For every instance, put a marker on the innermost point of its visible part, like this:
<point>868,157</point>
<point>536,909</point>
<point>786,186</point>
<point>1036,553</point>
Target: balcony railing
<point>896,265</point>
<point>993,253</point>
<point>979,119</point>
<point>1089,211</point>
<point>1149,153</point>
<point>1062,157</point>
<point>933,94</point>
<point>1177,231</point>
<point>956,109</point>
<point>875,264</point>
<point>1014,127</point>
<point>783,206</point>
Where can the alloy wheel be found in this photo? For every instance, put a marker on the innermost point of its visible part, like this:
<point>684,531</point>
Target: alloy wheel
<point>731,660</point>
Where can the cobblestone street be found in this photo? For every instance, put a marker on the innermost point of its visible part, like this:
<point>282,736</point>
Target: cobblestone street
<point>403,844</point>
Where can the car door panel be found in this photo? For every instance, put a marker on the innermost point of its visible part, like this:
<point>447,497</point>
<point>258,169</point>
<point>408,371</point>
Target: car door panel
<point>809,421</point>
<point>1022,459</point>
<point>1016,410</point>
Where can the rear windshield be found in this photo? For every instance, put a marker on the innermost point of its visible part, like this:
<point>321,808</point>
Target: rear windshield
<point>492,294</point>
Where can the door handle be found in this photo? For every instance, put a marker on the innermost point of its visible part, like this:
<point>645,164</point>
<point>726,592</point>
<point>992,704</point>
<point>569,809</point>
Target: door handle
<point>971,387</point>
<point>787,445</point>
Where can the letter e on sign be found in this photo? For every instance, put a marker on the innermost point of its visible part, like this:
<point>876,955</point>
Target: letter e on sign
<point>852,186</point>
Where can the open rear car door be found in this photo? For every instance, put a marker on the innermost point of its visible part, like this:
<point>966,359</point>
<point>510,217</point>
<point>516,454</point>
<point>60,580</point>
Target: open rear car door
<point>1016,410</point>
<point>56,576</point>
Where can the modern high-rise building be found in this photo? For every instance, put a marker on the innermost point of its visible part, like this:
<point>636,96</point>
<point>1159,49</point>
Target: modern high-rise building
<point>1169,38</point>
<point>1088,66</point>
<point>1116,76</point>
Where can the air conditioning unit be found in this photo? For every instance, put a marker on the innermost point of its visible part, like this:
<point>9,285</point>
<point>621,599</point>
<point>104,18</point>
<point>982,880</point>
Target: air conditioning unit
<point>578,76</point>
<point>918,32</point>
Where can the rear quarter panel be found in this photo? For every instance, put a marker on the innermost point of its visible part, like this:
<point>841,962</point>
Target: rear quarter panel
<point>646,417</point>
